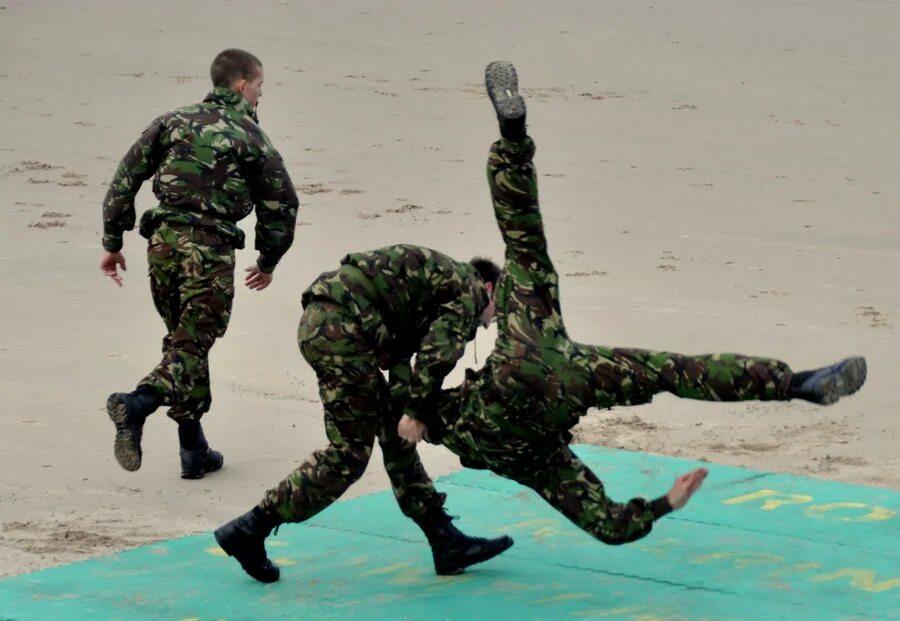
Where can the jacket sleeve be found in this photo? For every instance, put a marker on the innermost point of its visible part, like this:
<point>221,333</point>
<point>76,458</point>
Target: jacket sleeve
<point>138,165</point>
<point>276,205</point>
<point>571,487</point>
<point>438,353</point>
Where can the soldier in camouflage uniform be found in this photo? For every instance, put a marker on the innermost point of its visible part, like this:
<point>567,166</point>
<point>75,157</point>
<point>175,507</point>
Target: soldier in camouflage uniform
<point>213,165</point>
<point>375,312</point>
<point>514,416</point>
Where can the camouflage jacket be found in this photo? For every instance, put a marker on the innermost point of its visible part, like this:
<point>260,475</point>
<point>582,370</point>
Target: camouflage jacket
<point>213,165</point>
<point>409,300</point>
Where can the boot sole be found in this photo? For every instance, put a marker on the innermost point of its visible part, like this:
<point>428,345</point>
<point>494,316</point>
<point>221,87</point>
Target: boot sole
<point>847,381</point>
<point>126,450</point>
<point>455,570</point>
<point>502,84</point>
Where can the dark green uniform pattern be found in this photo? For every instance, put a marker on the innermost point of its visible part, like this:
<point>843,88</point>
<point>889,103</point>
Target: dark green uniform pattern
<point>514,415</point>
<point>374,312</point>
<point>212,165</point>
<point>192,282</point>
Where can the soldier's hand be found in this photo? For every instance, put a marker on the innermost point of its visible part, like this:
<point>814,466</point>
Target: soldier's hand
<point>685,486</point>
<point>411,429</point>
<point>108,265</point>
<point>257,279</point>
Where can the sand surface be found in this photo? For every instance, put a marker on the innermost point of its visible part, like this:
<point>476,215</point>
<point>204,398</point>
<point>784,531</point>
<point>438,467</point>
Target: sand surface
<point>716,176</point>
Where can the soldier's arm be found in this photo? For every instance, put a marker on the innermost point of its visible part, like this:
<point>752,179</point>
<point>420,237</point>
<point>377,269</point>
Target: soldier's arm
<point>514,193</point>
<point>438,353</point>
<point>276,204</point>
<point>628,522</point>
<point>574,490</point>
<point>138,165</point>
<point>620,523</point>
<point>399,376</point>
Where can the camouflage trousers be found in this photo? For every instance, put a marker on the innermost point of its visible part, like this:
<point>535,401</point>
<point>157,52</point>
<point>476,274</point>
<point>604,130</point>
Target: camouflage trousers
<point>192,283</point>
<point>358,408</point>
<point>514,416</point>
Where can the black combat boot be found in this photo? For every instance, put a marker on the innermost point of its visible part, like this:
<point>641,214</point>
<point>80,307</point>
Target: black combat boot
<point>244,538</point>
<point>128,411</point>
<point>828,384</point>
<point>503,88</point>
<point>197,459</point>
<point>452,550</point>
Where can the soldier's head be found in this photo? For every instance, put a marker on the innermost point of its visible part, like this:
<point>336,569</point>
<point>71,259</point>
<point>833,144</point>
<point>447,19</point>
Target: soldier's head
<point>490,274</point>
<point>240,71</point>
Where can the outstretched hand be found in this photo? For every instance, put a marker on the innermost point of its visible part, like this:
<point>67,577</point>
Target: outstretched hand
<point>685,486</point>
<point>108,265</point>
<point>257,279</point>
<point>411,429</point>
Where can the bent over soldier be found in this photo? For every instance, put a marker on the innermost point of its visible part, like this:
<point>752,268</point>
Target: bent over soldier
<point>376,311</point>
<point>213,165</point>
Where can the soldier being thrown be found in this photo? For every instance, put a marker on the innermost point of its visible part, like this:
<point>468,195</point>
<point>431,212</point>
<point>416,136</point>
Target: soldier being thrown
<point>514,416</point>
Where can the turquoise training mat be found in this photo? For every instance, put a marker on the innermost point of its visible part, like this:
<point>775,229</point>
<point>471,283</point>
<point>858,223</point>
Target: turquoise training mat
<point>750,545</point>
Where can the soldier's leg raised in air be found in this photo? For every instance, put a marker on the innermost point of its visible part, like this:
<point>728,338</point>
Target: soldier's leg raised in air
<point>604,377</point>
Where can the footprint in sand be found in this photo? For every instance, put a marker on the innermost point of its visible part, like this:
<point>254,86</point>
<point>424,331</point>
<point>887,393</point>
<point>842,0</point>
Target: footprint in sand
<point>405,208</point>
<point>32,166</point>
<point>766,292</point>
<point>50,219</point>
<point>349,191</point>
<point>47,224</point>
<point>72,180</point>
<point>876,317</point>
<point>313,188</point>
<point>668,261</point>
<point>587,274</point>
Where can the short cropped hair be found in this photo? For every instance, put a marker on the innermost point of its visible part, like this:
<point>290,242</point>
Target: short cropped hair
<point>231,65</point>
<point>487,269</point>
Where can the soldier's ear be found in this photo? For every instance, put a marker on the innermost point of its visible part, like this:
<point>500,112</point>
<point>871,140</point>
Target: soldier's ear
<point>489,287</point>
